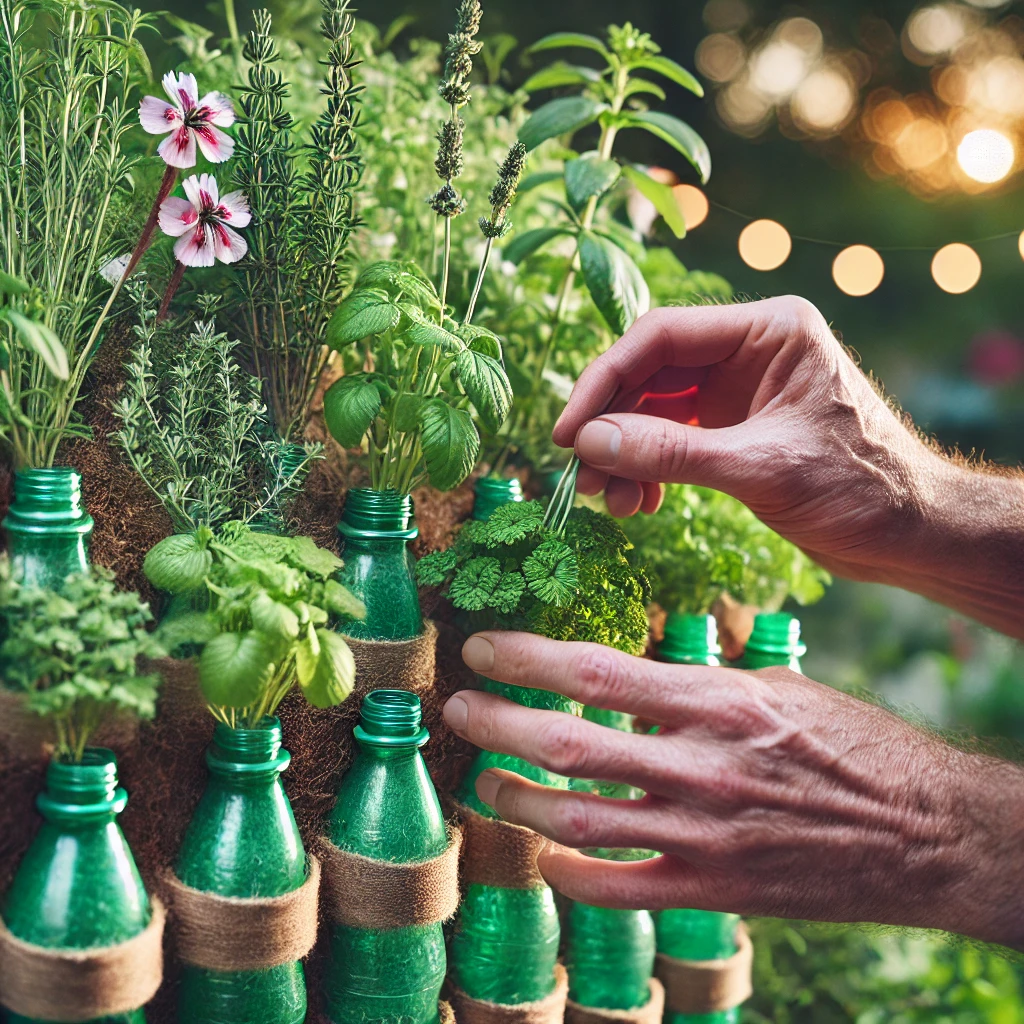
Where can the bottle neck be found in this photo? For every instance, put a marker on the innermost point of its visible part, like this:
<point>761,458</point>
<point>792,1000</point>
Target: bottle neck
<point>244,756</point>
<point>377,516</point>
<point>48,501</point>
<point>82,792</point>
<point>490,492</point>
<point>391,723</point>
<point>690,640</point>
<point>775,640</point>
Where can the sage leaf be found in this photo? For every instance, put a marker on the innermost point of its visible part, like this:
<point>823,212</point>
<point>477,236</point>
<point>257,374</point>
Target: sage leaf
<point>233,666</point>
<point>588,176</point>
<point>559,117</point>
<point>350,405</point>
<point>178,564</point>
<point>676,133</point>
<point>38,338</point>
<point>335,674</point>
<point>661,195</point>
<point>365,312</point>
<point>450,443</point>
<point>614,281</point>
<point>484,381</point>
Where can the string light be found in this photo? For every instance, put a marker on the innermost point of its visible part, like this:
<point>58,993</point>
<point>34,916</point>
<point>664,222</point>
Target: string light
<point>1020,245</point>
<point>986,155</point>
<point>858,270</point>
<point>956,268</point>
<point>765,245</point>
<point>693,205</point>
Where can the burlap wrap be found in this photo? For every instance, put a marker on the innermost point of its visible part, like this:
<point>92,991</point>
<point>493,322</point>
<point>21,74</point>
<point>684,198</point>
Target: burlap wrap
<point>70,986</point>
<point>365,893</point>
<point>550,1010</point>
<point>445,1012</point>
<point>222,933</point>
<point>396,664</point>
<point>649,1013</point>
<point>498,853</point>
<point>708,986</point>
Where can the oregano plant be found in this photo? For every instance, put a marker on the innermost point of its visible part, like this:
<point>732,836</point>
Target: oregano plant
<point>421,378</point>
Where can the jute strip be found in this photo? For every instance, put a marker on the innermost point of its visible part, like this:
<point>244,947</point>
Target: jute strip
<point>649,1013</point>
<point>366,893</point>
<point>396,664</point>
<point>445,1013</point>
<point>708,986</point>
<point>223,933</point>
<point>550,1010</point>
<point>70,986</point>
<point>499,853</point>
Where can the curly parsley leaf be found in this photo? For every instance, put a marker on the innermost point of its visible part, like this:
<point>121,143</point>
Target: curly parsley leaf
<point>513,522</point>
<point>552,573</point>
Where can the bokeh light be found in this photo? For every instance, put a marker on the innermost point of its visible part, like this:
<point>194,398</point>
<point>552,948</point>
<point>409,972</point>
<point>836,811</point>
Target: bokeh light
<point>986,155</point>
<point>936,30</point>
<point>693,205</point>
<point>765,245</point>
<point>858,270</point>
<point>824,100</point>
<point>721,57</point>
<point>956,268</point>
<point>778,69</point>
<point>1020,245</point>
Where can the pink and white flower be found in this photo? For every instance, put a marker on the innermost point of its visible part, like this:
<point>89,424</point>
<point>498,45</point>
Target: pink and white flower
<point>200,223</point>
<point>189,120</point>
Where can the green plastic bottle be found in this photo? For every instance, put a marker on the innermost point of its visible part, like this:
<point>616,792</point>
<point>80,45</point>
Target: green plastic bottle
<point>387,810</point>
<point>505,945</point>
<point>775,640</point>
<point>242,841</point>
<point>695,934</point>
<point>376,526</point>
<point>78,886</point>
<point>47,527</point>
<point>489,492</point>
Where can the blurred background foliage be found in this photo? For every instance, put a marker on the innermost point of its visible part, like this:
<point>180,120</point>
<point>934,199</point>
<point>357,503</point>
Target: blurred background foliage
<point>840,119</point>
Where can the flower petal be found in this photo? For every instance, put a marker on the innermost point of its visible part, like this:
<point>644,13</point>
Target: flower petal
<point>229,245</point>
<point>216,146</point>
<point>177,216</point>
<point>234,210</point>
<point>157,116</point>
<point>170,84</point>
<point>195,249</point>
<point>179,148</point>
<point>188,92</point>
<point>217,108</point>
<point>203,192</point>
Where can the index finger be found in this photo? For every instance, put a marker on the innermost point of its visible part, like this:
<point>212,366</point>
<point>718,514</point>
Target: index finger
<point>691,336</point>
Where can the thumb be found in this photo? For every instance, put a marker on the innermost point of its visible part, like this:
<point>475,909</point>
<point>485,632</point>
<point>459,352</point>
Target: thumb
<point>656,450</point>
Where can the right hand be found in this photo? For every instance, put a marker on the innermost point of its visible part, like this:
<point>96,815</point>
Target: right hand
<point>788,425</point>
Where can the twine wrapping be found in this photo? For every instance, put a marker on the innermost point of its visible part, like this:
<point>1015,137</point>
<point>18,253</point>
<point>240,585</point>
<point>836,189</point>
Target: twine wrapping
<point>224,933</point>
<point>396,664</point>
<point>365,893</point>
<point>649,1013</point>
<point>445,1013</point>
<point>499,853</point>
<point>69,986</point>
<point>549,1010</point>
<point>708,986</point>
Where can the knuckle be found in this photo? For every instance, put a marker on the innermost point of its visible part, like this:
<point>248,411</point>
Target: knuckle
<point>599,674</point>
<point>802,315</point>
<point>563,748</point>
<point>668,451</point>
<point>572,823</point>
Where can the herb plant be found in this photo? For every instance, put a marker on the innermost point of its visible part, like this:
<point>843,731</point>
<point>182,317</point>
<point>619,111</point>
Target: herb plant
<point>702,543</point>
<point>73,654</point>
<point>266,625</point>
<point>420,369</point>
<point>514,572</point>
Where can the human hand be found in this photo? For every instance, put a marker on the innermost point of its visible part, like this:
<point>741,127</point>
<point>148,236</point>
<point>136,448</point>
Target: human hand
<point>767,793</point>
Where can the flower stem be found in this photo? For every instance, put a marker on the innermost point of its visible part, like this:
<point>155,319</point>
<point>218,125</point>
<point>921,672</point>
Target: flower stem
<point>484,260</point>
<point>172,287</point>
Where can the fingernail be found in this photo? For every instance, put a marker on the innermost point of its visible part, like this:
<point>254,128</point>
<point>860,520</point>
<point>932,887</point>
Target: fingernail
<point>487,786</point>
<point>478,654</point>
<point>456,713</point>
<point>598,444</point>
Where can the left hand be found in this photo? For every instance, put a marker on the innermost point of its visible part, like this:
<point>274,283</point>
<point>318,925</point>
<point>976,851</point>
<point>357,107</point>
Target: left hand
<point>767,793</point>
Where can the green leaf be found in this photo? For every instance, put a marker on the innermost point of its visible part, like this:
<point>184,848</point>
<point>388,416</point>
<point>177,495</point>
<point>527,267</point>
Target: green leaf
<point>676,133</point>
<point>307,654</point>
<point>484,381</point>
<point>233,668</point>
<point>669,69</point>
<point>422,331</point>
<point>509,591</point>
<point>641,85</point>
<point>532,181</point>
<point>341,601</point>
<point>559,117</point>
<point>406,414</point>
<point>589,176</point>
<point>365,312</point>
<point>10,285</point>
<point>350,405</point>
<point>272,617</point>
<point>434,569</point>
<point>303,553</point>
<point>474,583</point>
<point>512,522</point>
<point>558,40</point>
<point>178,564</point>
<point>479,339</point>
<point>615,283</point>
<point>560,73</point>
<point>552,573</point>
<point>661,196</point>
<point>529,242</point>
<point>38,338</point>
<point>450,444</point>
<point>335,674</point>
